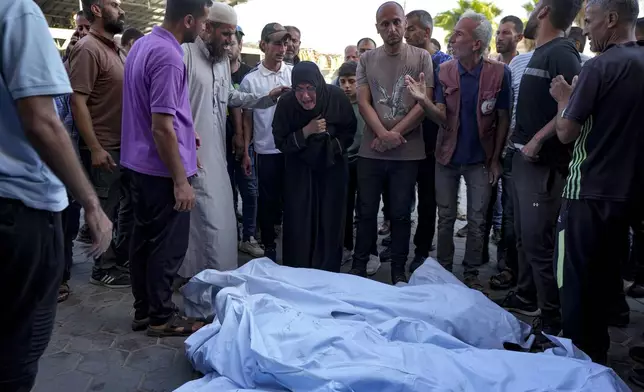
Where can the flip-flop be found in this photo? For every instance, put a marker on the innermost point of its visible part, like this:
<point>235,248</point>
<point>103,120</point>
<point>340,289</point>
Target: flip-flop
<point>63,292</point>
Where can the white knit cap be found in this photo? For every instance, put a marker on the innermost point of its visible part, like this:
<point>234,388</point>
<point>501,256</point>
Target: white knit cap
<point>222,13</point>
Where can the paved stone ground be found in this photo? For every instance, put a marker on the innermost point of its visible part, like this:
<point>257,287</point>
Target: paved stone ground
<point>93,348</point>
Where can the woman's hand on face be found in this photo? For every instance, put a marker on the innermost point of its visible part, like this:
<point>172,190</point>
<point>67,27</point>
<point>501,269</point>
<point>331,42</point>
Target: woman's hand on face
<point>317,125</point>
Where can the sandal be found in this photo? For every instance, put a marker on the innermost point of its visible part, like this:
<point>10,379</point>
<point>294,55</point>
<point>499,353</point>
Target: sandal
<point>503,280</point>
<point>176,326</point>
<point>63,292</point>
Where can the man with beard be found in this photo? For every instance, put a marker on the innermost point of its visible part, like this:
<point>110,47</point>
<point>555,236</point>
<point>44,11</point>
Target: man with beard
<point>419,34</point>
<point>271,72</point>
<point>603,194</point>
<point>392,144</point>
<point>96,77</point>
<point>540,165</point>
<point>292,55</point>
<point>508,36</point>
<point>213,234</point>
<point>473,126</point>
<point>160,155</point>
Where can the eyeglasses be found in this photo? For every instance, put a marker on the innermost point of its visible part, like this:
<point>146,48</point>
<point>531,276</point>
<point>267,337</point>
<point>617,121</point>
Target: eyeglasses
<point>309,89</point>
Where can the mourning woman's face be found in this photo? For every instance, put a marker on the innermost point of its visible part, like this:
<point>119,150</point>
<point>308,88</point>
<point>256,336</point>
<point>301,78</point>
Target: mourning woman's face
<point>306,96</point>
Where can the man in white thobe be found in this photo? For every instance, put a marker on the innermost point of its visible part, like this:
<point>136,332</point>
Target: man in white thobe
<point>213,225</point>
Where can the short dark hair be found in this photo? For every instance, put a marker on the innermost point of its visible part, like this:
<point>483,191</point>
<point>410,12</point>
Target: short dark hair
<point>563,12</point>
<point>436,43</point>
<point>87,9</point>
<point>577,34</point>
<point>367,39</point>
<point>175,10</point>
<point>350,68</point>
<point>639,26</point>
<point>423,16</point>
<point>518,23</point>
<point>289,28</point>
<point>130,34</point>
<point>240,36</point>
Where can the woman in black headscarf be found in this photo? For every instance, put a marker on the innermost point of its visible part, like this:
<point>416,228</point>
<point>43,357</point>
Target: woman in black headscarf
<point>313,126</point>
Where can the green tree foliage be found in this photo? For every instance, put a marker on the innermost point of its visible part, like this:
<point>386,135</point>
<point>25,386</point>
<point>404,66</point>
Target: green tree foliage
<point>448,19</point>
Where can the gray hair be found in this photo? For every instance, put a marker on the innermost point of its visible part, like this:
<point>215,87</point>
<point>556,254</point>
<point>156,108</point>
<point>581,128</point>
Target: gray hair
<point>627,10</point>
<point>483,31</point>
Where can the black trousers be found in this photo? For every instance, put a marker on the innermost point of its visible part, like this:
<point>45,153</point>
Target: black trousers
<point>270,177</point>
<point>400,178</point>
<point>158,245</point>
<point>426,228</point>
<point>352,191</point>
<point>507,248</point>
<point>589,279</point>
<point>537,199</point>
<point>31,249</point>
<point>71,223</point>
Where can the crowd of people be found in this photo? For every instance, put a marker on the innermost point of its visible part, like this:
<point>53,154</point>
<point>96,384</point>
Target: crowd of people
<point>154,137</point>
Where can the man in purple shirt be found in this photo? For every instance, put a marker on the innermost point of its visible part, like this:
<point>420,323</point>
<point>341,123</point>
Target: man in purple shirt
<point>159,152</point>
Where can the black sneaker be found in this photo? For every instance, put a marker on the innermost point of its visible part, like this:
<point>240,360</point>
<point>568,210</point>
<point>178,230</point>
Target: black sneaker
<point>386,241</point>
<point>358,272</point>
<point>513,303</point>
<point>415,263</point>
<point>398,277</point>
<point>385,256</point>
<point>84,235</point>
<point>547,325</point>
<point>111,278</point>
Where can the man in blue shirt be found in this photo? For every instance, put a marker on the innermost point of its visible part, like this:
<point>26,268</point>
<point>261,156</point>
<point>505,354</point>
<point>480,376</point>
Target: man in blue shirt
<point>471,138</point>
<point>35,155</point>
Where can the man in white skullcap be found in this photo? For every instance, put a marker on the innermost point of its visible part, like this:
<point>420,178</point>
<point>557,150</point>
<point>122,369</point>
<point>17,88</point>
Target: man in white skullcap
<point>213,225</point>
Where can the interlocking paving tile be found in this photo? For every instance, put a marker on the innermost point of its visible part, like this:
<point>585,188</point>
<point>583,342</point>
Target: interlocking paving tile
<point>173,342</point>
<point>151,358</point>
<point>56,364</point>
<point>118,380</point>
<point>161,380</point>
<point>73,381</point>
<point>134,341</point>
<point>103,362</point>
<point>92,342</point>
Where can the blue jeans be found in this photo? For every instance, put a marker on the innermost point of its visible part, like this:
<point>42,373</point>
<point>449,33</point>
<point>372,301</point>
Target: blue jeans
<point>247,186</point>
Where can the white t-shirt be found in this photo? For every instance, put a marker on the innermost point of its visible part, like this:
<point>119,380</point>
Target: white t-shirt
<point>261,80</point>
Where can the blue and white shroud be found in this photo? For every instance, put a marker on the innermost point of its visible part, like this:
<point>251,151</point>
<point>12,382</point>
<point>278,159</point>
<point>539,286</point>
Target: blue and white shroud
<point>285,329</point>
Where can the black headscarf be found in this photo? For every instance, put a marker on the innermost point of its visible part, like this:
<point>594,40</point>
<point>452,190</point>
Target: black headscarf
<point>331,104</point>
<point>308,72</point>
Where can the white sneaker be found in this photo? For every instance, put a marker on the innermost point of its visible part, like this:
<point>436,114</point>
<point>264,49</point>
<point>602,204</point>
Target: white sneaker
<point>347,256</point>
<point>373,265</point>
<point>252,248</point>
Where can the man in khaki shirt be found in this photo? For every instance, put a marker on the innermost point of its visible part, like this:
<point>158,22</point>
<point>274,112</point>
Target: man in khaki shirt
<point>96,75</point>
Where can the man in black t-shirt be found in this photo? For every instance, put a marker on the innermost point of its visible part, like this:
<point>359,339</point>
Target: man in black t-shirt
<point>240,156</point>
<point>603,192</point>
<point>540,164</point>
